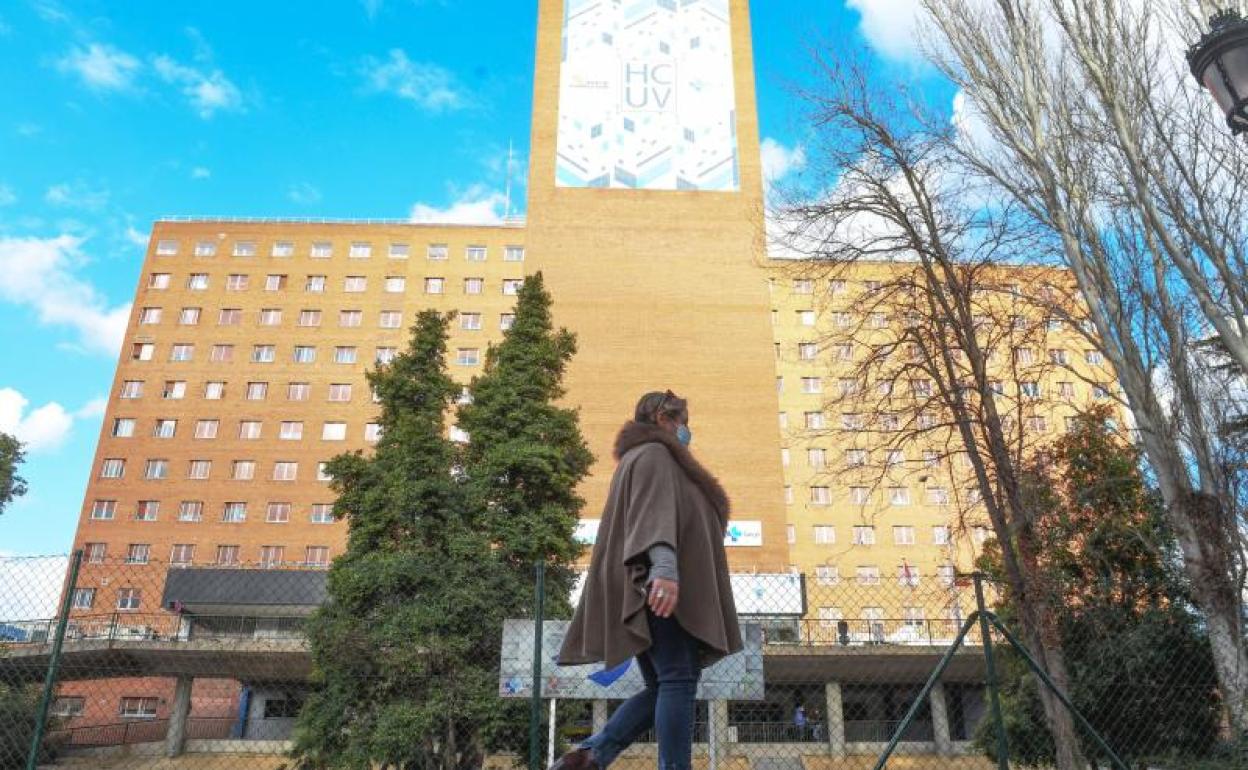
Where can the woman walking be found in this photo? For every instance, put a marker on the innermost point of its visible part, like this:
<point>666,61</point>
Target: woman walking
<point>657,587</point>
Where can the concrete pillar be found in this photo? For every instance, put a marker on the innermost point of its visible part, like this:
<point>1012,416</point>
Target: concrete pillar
<point>940,720</point>
<point>175,736</point>
<point>836,719</point>
<point>600,715</point>
<point>717,740</point>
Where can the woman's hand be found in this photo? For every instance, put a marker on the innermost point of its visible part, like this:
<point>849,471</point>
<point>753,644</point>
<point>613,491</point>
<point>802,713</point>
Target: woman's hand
<point>663,596</point>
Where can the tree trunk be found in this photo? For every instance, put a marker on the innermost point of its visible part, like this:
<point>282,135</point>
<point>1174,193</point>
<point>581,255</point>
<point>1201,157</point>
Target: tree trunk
<point>1066,737</point>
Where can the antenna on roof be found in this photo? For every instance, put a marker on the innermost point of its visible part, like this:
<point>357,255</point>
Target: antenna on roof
<point>507,205</point>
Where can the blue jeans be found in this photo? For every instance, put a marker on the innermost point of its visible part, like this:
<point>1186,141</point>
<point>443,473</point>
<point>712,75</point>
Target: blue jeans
<point>671,671</point>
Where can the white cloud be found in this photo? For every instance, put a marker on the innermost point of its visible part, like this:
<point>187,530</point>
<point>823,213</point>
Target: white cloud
<point>76,194</point>
<point>7,196</point>
<point>304,193</point>
<point>199,172</point>
<point>4,27</point>
<point>208,91</point>
<point>93,409</point>
<point>372,7</point>
<point>891,26</point>
<point>39,273</point>
<point>28,130</point>
<point>779,161</point>
<point>429,86</point>
<point>137,237</point>
<point>101,67</point>
<point>41,429</point>
<point>30,587</point>
<point>478,205</point>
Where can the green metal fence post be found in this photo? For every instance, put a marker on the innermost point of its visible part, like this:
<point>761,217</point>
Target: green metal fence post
<point>54,661</point>
<point>535,700</point>
<point>1003,747</point>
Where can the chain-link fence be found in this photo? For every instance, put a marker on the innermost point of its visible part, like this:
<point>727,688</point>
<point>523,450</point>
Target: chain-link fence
<point>139,664</point>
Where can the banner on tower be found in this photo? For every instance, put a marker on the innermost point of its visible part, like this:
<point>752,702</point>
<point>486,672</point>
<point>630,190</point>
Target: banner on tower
<point>646,96</point>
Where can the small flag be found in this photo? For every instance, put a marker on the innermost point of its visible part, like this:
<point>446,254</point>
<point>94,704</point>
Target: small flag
<point>609,676</point>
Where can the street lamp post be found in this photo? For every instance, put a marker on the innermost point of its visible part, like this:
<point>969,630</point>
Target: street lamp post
<point>1219,62</point>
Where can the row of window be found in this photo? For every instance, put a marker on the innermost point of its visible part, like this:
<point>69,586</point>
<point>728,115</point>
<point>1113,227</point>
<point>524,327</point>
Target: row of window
<point>849,387</point>
<point>316,284</point>
<point>864,534</point>
<point>309,318</point>
<point>1023,356</point>
<point>240,470</point>
<point>183,554</point>
<point>70,706</point>
<point>181,352</point>
<point>873,618</point>
<point>817,457</point>
<point>193,511</point>
<point>896,495</point>
<point>846,320</point>
<point>215,390</point>
<point>839,287</point>
<point>169,247</point>
<point>287,430</point>
<point>869,575</point>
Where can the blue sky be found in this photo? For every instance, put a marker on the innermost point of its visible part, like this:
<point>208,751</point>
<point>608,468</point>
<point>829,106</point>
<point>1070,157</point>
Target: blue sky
<point>114,114</point>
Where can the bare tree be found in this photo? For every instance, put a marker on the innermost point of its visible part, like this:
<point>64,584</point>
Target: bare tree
<point>1093,132</point>
<point>959,328</point>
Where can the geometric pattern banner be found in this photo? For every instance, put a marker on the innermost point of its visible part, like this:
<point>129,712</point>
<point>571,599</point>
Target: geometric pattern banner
<point>646,96</point>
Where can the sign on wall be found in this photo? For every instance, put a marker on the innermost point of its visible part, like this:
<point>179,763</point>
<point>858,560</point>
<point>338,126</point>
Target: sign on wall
<point>646,96</point>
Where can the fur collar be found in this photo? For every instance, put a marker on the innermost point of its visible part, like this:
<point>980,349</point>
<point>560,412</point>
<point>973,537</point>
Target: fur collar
<point>634,434</point>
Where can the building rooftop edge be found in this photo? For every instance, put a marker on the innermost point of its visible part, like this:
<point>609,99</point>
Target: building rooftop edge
<point>509,222</point>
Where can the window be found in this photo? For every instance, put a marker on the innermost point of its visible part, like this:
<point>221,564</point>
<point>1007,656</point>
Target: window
<point>837,287</point>
<point>915,617</point>
<point>149,316</point>
<point>512,286</point>
<point>322,513</point>
<point>190,510</point>
<point>123,427</point>
<point>829,617</point>
<point>437,251</point>
<point>898,495</point>
<point>907,575</point>
<point>199,469</point>
<point>197,282</point>
<point>316,556</point>
<point>468,356</point>
<point>784,457</point>
<point>868,575</point>
<point>395,284</point>
<point>806,317</point>
<point>84,598</point>
<point>788,494</point>
<point>147,510</point>
<point>803,286</point>
<point>1037,424</point>
<point>506,321</point>
<point>230,316</point>
<point>844,352</point>
<point>360,250</point>
<point>205,249</point>
<point>946,573</point>
<point>142,351</point>
<point>372,432</point>
<point>227,554</point>
<point>103,510</point>
<point>513,253</point>
<point>350,318</point>
<point>390,319</point>
<point>233,513</point>
<point>355,283</point>
<point>807,351</point>
<point>820,496</point>
<point>243,470</point>
<point>475,253</point>
<point>285,471</point>
<point>182,554</point>
<point>245,249</point>
<point>825,534</point>
<point>321,250</point>
<point>156,469</point>
<point>855,458</point>
<point>344,354</point>
<point>315,284</point>
<point>160,281</point>
<point>979,534</point>
<point>1029,389</point>
<point>214,391</point>
<point>138,708</point>
<point>270,316</point>
<point>474,285</point>
<point>1100,392</point>
<point>334,431</point>
<point>827,575</point>
<point>221,353</point>
<point>903,535</point>
<point>940,535</point>
<point>859,495</point>
<point>309,318</point>
<point>138,553</point>
<point>791,534</point>
<point>385,355</point>
<point>1024,356</point>
<point>400,251</point>
<point>1066,390</point>
<point>879,320</point>
<point>864,535</point>
<point>812,384</point>
<point>274,282</point>
<point>322,472</point>
<point>890,421</point>
<point>298,391</point>
<point>112,468</point>
<point>95,553</point>
<point>304,354</point>
<point>263,354</point>
<point>817,457</point>
<point>290,431</point>
<point>1094,357</point>
<point>937,496</point>
<point>272,555</point>
<point>131,389</point>
<point>283,249</point>
<point>435,285</point>
<point>894,457</point>
<point>249,429</point>
<point>236,282</point>
<point>470,321</point>
<point>340,391</point>
<point>257,391</point>
<point>164,428</point>
<point>278,513</point>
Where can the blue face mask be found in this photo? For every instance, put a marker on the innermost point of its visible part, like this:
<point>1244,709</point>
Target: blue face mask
<point>684,435</point>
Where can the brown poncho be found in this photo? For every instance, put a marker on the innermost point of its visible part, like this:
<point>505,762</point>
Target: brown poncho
<point>659,494</point>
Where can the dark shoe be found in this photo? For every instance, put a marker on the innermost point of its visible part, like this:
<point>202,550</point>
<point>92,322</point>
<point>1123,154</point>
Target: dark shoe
<point>577,759</point>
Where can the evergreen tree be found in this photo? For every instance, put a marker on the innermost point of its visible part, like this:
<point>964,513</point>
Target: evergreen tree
<point>1141,668</point>
<point>11,456</point>
<point>406,650</point>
